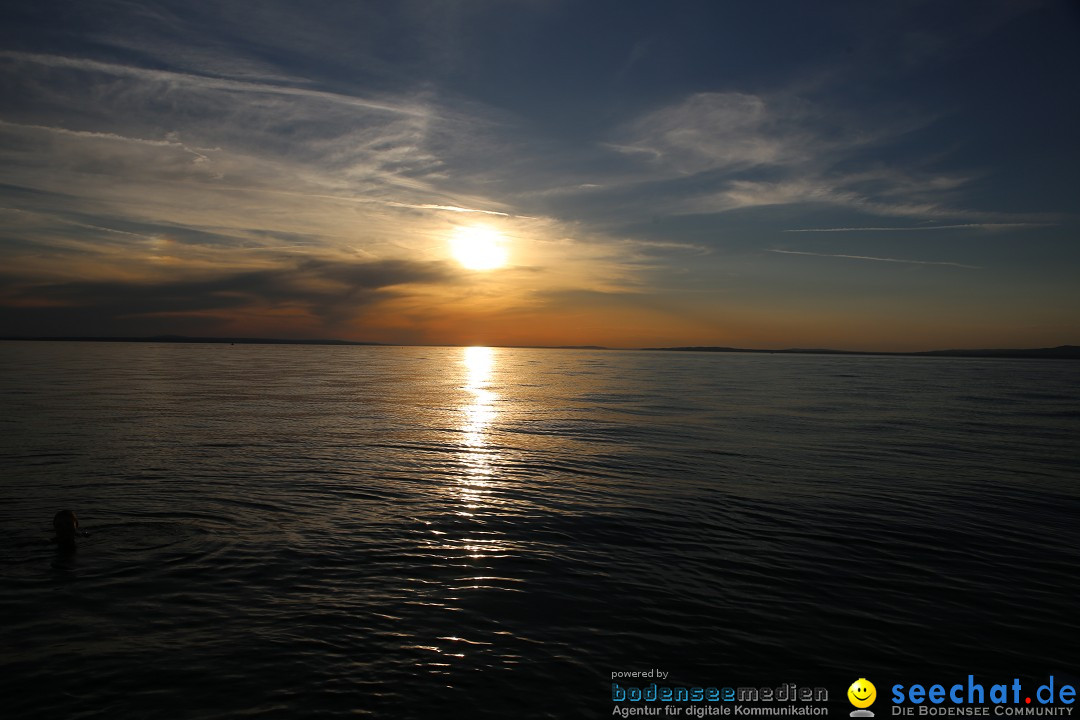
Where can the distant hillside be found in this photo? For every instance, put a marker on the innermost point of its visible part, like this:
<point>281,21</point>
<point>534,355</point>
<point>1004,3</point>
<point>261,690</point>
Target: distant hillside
<point>186,339</point>
<point>1070,352</point>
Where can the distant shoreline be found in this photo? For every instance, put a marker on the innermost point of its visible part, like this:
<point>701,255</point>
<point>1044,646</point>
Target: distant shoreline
<point>186,339</point>
<point>1066,352</point>
<point>1061,352</point>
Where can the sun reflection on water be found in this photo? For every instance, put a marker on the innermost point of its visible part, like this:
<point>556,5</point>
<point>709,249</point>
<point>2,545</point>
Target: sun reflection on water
<point>470,546</point>
<point>479,414</point>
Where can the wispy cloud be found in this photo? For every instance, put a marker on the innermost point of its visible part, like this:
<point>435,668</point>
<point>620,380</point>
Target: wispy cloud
<point>877,259</point>
<point>713,153</point>
<point>713,131</point>
<point>892,199</point>
<point>237,138</point>
<point>170,141</point>
<point>73,223</point>
<point>922,228</point>
<point>448,208</point>
<point>207,82</point>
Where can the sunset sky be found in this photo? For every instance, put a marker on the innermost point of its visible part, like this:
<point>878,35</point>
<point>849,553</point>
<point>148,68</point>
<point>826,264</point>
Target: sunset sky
<point>865,175</point>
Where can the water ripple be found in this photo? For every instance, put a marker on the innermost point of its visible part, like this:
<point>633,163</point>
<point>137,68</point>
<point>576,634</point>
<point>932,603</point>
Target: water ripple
<point>392,532</point>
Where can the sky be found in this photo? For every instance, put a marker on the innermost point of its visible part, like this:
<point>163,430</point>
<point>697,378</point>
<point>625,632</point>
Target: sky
<point>895,175</point>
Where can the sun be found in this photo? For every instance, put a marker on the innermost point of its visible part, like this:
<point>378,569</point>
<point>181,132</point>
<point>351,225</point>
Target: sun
<point>478,247</point>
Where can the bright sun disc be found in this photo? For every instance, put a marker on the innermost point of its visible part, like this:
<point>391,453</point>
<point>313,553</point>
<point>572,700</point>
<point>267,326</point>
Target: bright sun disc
<point>477,247</point>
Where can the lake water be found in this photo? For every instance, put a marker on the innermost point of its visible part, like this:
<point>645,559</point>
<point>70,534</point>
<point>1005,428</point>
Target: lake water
<point>309,531</point>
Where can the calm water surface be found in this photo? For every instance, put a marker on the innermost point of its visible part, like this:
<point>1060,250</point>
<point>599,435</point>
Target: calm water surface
<point>297,531</point>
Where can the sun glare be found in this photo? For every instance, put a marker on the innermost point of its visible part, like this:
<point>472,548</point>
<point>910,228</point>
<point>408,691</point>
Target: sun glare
<point>478,247</point>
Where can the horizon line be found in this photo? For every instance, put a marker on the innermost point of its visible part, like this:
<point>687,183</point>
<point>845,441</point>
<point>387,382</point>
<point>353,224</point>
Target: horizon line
<point>1062,351</point>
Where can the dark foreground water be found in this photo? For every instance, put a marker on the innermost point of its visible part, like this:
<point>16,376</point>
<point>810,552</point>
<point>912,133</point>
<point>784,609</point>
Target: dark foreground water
<point>282,531</point>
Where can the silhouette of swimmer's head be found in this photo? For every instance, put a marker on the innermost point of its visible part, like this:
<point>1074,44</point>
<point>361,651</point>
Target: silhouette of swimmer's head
<point>66,525</point>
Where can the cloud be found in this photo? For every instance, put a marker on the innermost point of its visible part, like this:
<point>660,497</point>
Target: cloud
<point>878,259</point>
<point>207,82</point>
<point>923,228</point>
<point>716,152</point>
<point>448,208</point>
<point>74,223</point>
<point>170,147</point>
<point>341,142</point>
<point>711,131</point>
<point>705,153</point>
<point>198,153</point>
<point>332,292</point>
<point>227,180</point>
<point>893,199</point>
<point>168,173</point>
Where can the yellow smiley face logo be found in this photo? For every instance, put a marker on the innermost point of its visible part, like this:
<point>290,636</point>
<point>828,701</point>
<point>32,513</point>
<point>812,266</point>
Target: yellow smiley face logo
<point>862,693</point>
